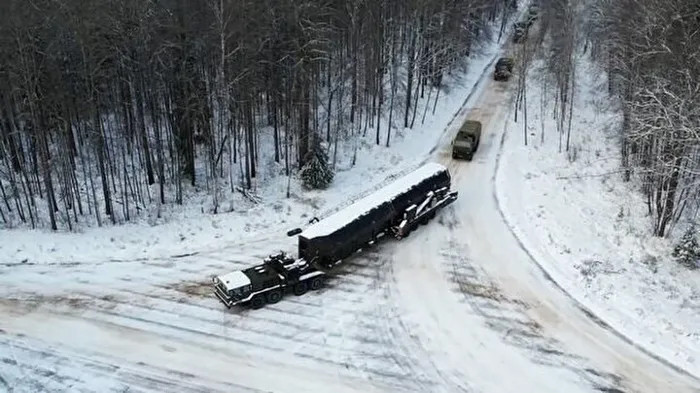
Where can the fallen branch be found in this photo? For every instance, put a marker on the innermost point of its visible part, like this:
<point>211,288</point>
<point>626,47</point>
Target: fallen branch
<point>248,195</point>
<point>586,176</point>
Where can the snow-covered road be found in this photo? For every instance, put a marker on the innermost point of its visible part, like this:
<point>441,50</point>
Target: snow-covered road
<point>517,301</point>
<point>458,306</point>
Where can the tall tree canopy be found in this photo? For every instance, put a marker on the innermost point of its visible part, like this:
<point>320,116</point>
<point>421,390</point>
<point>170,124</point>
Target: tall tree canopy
<point>107,106</point>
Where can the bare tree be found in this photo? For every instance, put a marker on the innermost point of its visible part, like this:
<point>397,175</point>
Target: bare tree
<point>653,71</point>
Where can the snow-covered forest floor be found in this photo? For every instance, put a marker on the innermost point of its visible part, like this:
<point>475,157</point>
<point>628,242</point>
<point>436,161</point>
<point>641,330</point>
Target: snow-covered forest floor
<point>171,230</point>
<point>589,230</point>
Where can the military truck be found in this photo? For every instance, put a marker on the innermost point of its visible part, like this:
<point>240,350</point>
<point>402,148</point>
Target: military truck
<point>503,69</point>
<point>392,211</point>
<point>467,140</point>
<point>520,31</point>
<point>532,14</point>
<point>268,281</point>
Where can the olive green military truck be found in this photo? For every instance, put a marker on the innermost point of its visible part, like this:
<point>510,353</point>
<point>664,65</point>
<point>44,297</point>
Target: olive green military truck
<point>520,30</point>
<point>467,140</point>
<point>503,69</point>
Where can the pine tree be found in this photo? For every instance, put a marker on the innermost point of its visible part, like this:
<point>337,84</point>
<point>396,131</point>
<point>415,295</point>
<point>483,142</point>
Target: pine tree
<point>687,250</point>
<point>316,173</point>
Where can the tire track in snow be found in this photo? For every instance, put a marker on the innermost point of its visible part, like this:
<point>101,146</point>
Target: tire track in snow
<point>322,356</point>
<point>3,383</point>
<point>509,317</point>
<point>164,310</point>
<point>293,328</point>
<point>402,347</point>
<point>408,342</point>
<point>50,362</point>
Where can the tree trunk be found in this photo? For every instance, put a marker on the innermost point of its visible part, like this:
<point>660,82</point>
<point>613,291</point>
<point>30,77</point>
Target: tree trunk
<point>410,72</point>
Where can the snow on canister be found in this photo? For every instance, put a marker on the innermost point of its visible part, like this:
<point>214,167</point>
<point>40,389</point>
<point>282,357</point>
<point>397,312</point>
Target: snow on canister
<point>336,221</point>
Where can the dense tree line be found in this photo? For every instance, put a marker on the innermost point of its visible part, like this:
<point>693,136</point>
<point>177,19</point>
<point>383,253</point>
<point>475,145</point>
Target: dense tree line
<point>649,50</point>
<point>108,106</point>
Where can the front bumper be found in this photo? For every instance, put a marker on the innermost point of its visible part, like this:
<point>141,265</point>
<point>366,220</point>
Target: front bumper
<point>501,76</point>
<point>223,296</point>
<point>461,154</point>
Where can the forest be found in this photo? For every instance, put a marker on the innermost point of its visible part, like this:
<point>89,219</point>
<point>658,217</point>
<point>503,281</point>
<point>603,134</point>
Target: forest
<point>649,52</point>
<point>109,106</point>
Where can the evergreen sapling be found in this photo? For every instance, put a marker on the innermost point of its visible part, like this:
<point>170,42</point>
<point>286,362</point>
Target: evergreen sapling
<point>316,173</point>
<point>687,250</point>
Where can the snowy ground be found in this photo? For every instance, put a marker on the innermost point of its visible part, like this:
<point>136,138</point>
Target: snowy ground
<point>458,306</point>
<point>590,231</point>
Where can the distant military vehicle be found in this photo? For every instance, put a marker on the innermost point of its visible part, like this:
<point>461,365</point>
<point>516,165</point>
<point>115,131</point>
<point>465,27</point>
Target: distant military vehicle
<point>532,14</point>
<point>520,31</point>
<point>467,140</point>
<point>503,69</point>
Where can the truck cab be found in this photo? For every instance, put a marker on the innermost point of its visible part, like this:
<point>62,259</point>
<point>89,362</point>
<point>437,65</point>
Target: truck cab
<point>233,288</point>
<point>467,140</point>
<point>267,282</point>
<point>520,30</point>
<point>532,13</point>
<point>503,69</point>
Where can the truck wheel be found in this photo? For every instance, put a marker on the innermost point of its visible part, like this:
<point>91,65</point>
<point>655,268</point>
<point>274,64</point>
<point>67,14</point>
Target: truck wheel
<point>274,297</point>
<point>301,288</point>
<point>257,302</point>
<point>316,283</point>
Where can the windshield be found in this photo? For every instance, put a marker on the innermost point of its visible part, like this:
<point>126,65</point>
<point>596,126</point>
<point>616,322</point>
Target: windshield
<point>240,293</point>
<point>463,143</point>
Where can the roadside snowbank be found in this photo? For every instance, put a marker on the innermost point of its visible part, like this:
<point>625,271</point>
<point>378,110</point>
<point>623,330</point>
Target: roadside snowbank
<point>590,231</point>
<point>190,230</point>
